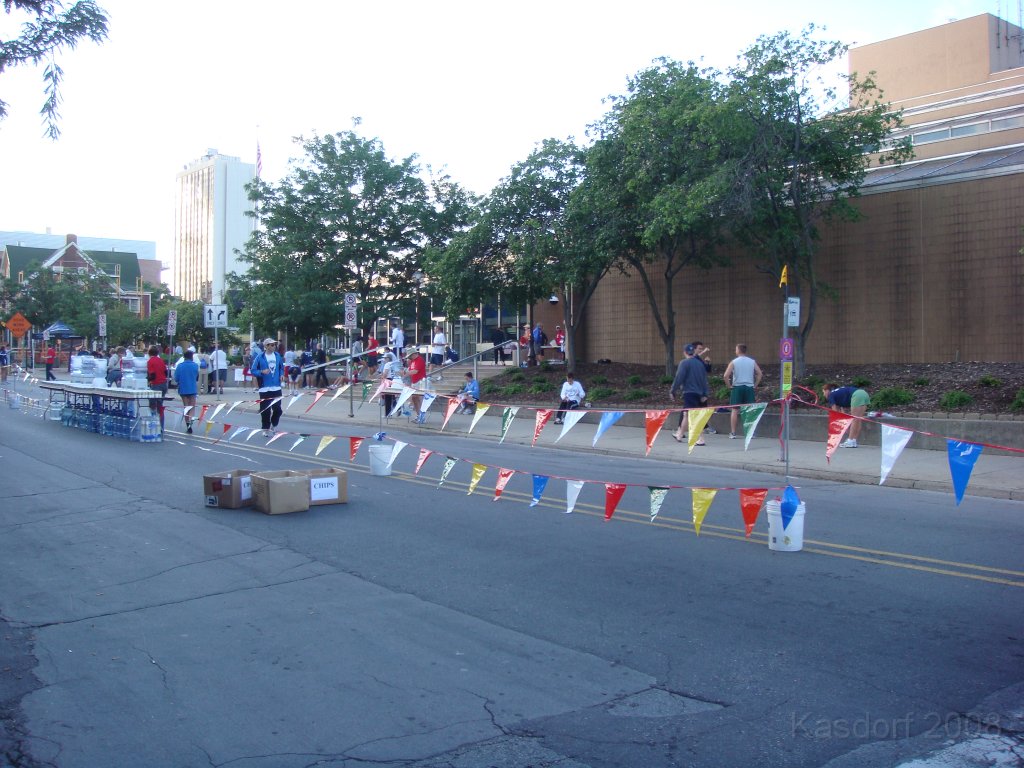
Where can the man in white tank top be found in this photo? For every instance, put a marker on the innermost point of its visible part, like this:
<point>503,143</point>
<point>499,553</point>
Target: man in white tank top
<point>742,375</point>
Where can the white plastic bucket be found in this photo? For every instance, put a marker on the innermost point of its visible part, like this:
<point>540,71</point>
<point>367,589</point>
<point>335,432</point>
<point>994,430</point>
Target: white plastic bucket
<point>380,460</point>
<point>792,538</point>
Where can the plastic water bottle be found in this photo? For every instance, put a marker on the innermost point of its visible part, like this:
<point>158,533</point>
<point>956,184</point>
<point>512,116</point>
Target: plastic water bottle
<point>135,431</point>
<point>154,429</point>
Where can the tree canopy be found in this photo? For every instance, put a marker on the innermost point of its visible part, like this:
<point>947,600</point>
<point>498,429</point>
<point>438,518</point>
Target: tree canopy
<point>49,28</point>
<point>346,219</point>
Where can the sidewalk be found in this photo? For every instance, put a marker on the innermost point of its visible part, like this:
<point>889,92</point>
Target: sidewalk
<point>993,476</point>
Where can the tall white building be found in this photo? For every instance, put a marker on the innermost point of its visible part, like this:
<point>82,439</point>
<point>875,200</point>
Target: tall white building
<point>210,224</point>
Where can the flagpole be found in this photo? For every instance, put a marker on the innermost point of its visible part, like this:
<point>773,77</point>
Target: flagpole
<point>784,443</point>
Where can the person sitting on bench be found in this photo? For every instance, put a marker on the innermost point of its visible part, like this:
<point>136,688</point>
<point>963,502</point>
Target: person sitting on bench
<point>469,395</point>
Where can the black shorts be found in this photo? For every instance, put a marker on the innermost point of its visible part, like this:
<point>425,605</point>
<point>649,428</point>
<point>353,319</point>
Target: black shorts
<point>436,359</point>
<point>693,400</point>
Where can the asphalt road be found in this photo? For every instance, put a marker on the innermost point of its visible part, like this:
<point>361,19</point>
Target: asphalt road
<point>421,626</point>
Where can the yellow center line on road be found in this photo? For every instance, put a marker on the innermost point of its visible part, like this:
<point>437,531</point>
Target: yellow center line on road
<point>902,560</point>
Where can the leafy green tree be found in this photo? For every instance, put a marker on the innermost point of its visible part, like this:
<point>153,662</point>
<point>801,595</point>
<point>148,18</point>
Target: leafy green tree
<point>347,219</point>
<point>49,28</point>
<point>530,237</point>
<point>806,154</point>
<point>661,176</point>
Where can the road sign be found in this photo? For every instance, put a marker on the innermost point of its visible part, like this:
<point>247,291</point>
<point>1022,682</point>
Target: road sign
<point>18,325</point>
<point>786,350</point>
<point>787,378</point>
<point>103,325</point>
<point>215,315</point>
<point>351,311</point>
<point>793,312</point>
<point>172,322</point>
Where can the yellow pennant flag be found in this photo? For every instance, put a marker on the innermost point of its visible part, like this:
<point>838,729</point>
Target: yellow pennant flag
<point>698,419</point>
<point>702,498</point>
<point>478,472</point>
<point>784,278</point>
<point>324,442</point>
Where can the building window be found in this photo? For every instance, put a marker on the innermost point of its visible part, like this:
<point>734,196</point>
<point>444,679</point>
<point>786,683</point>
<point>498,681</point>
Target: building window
<point>968,130</point>
<point>928,137</point>
<point>1006,123</point>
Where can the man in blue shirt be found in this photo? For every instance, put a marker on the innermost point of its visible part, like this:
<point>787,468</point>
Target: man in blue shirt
<point>692,380</point>
<point>186,374</point>
<point>851,400</point>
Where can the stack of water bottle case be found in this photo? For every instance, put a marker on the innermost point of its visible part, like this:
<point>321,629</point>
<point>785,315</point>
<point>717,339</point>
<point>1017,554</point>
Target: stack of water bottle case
<point>90,403</point>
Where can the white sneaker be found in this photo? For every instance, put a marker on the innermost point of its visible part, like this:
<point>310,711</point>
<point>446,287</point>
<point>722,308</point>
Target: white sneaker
<point>266,433</point>
<point>851,443</point>
<point>733,436</point>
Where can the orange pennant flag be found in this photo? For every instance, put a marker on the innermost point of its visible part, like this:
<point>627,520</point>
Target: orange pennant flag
<point>504,475</point>
<point>751,501</point>
<point>353,446</point>
<point>702,498</point>
<point>202,413</point>
<point>424,453</point>
<point>542,419</point>
<point>612,494</point>
<point>320,393</point>
<point>838,423</point>
<point>653,420</point>
<point>452,405</point>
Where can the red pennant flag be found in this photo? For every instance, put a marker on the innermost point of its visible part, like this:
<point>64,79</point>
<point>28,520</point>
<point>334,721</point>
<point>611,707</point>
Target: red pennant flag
<point>653,421</point>
<point>353,446</point>
<point>424,453</point>
<point>504,475</point>
<point>226,428</point>
<point>542,419</point>
<point>751,501</point>
<point>612,494</point>
<point>202,413</point>
<point>320,393</point>
<point>838,423</point>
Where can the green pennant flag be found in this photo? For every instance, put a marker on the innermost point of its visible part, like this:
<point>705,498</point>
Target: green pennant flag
<point>449,462</point>
<point>657,499</point>
<point>507,416</point>
<point>750,415</point>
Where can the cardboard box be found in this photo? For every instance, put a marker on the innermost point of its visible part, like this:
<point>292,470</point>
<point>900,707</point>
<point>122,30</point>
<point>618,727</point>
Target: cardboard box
<point>231,489</point>
<point>328,486</point>
<point>280,492</point>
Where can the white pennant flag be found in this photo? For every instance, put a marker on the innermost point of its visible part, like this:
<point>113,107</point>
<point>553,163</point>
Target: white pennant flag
<point>399,445</point>
<point>218,409</point>
<point>572,492</point>
<point>572,418</point>
<point>233,406</point>
<point>292,401</point>
<point>894,440</point>
<point>406,394</point>
<point>428,400</point>
<point>339,390</point>
<point>481,409</point>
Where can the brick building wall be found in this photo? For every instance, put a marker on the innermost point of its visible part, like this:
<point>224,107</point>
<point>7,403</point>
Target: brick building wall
<point>929,274</point>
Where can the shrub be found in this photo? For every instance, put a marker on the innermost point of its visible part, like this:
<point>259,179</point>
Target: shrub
<point>601,393</point>
<point>513,389</point>
<point>1018,401</point>
<point>990,381</point>
<point>517,376</point>
<point>814,381</point>
<point>598,379</point>
<point>954,399</point>
<point>545,365</point>
<point>666,380</point>
<point>892,397</point>
<point>714,382</point>
<point>489,387</point>
<point>634,381</point>
<point>721,393</point>
<point>922,382</point>
<point>636,394</point>
<point>861,382</point>
<point>540,386</point>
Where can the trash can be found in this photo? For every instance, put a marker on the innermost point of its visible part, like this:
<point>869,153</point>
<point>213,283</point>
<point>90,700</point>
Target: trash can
<point>380,460</point>
<point>792,538</point>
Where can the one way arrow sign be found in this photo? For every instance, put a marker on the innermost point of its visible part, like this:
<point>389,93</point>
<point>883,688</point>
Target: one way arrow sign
<point>215,315</point>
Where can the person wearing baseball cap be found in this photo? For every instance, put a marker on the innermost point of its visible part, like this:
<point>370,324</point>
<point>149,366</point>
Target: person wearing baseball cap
<point>692,379</point>
<point>267,368</point>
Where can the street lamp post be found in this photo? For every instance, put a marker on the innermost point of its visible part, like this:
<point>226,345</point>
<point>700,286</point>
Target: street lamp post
<point>417,276</point>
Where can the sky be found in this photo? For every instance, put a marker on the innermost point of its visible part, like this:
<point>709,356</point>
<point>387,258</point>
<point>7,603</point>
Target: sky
<point>469,87</point>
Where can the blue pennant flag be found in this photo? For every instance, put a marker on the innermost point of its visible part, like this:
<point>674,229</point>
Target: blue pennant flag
<point>540,482</point>
<point>790,502</point>
<point>607,419</point>
<point>962,457</point>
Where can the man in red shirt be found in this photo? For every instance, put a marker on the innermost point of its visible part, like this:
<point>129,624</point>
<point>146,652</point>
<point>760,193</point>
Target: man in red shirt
<point>156,376</point>
<point>417,368</point>
<point>51,358</point>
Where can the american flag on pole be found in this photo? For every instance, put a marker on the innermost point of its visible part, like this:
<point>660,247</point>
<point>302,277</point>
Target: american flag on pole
<point>259,160</point>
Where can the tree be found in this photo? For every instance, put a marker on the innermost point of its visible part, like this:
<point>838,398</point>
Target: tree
<point>661,175</point>
<point>806,157</point>
<point>530,237</point>
<point>50,29</point>
<point>347,219</point>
